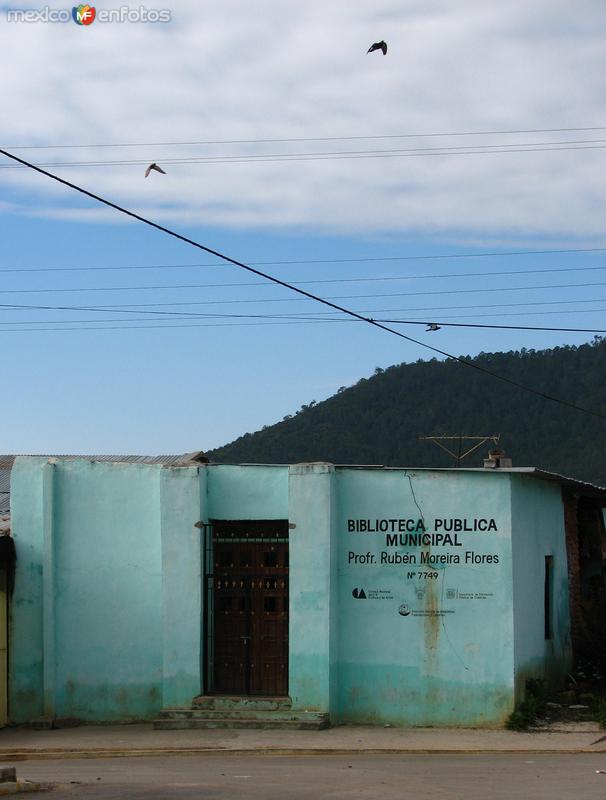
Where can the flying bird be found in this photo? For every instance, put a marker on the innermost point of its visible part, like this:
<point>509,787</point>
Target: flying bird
<point>432,326</point>
<point>377,46</point>
<point>154,166</point>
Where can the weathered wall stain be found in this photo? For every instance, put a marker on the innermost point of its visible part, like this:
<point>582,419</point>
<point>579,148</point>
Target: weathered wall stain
<point>431,625</point>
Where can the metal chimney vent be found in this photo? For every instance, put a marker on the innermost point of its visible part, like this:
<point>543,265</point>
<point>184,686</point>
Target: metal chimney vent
<point>496,459</point>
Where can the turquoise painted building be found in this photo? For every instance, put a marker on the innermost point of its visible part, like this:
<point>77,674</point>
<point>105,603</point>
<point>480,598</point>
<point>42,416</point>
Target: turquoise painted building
<point>403,596</point>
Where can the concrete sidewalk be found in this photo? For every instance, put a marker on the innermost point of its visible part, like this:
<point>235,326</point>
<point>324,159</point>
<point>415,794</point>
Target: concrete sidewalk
<point>104,741</point>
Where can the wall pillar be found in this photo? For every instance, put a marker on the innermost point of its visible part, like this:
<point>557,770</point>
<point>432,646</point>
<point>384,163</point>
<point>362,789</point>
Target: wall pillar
<point>26,650</point>
<point>312,618</point>
<point>180,509</point>
<point>48,590</point>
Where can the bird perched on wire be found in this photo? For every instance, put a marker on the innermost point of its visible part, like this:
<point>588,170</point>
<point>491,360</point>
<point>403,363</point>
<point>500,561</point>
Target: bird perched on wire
<point>154,166</point>
<point>432,326</point>
<point>378,46</point>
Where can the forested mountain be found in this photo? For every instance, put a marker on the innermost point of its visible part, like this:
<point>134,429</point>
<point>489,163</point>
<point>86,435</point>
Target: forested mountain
<point>379,419</point>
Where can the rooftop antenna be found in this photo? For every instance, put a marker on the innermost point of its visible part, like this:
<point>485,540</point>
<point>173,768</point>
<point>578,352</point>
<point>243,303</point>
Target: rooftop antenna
<point>463,449</point>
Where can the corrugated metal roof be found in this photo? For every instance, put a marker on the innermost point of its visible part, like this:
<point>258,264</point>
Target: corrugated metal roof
<point>6,461</point>
<point>6,464</point>
<point>535,472</point>
<point>589,489</point>
<point>563,480</point>
<point>5,481</point>
<point>5,487</point>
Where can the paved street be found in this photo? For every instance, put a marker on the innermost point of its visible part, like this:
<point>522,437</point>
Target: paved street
<point>376,777</point>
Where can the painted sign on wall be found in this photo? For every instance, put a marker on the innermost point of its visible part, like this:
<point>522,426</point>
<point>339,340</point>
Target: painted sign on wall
<point>420,548</point>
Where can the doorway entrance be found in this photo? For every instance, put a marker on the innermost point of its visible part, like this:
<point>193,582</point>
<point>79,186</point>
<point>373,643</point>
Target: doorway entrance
<point>248,621</point>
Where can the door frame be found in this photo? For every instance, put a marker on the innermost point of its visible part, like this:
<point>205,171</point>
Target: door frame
<point>208,589</point>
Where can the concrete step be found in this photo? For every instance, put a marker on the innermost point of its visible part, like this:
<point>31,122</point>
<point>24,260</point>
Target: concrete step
<point>240,702</point>
<point>227,713</point>
<point>237,711</point>
<point>302,722</point>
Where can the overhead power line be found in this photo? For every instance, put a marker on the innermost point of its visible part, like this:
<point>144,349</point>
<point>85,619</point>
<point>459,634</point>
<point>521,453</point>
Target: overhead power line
<point>294,299</point>
<point>441,320</point>
<point>118,308</point>
<point>494,314</point>
<point>374,279</point>
<point>131,327</point>
<point>162,327</point>
<point>132,308</point>
<point>488,326</point>
<point>370,259</point>
<point>304,317</point>
<point>54,325</point>
<point>303,139</point>
<point>497,149</point>
<point>303,292</point>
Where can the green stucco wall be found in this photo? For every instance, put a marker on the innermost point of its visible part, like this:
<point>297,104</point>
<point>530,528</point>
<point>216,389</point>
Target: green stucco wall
<point>183,504</point>
<point>432,644</point>
<point>99,648</point>
<point>313,590</point>
<point>107,614</point>
<point>247,492</point>
<point>108,610</point>
<point>538,531</point>
<point>26,650</point>
<point>107,590</point>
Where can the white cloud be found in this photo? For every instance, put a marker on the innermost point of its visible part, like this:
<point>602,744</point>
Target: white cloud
<point>237,70</point>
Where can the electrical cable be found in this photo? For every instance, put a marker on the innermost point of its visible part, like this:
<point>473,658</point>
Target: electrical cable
<point>130,327</point>
<point>236,156</point>
<point>336,156</point>
<point>303,139</point>
<point>303,292</point>
<point>530,313</point>
<point>117,308</point>
<point>484,325</point>
<point>374,259</point>
<point>437,321</point>
<point>295,284</point>
<point>161,327</point>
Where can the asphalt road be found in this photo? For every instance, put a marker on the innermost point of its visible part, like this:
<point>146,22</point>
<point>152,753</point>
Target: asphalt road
<point>376,777</point>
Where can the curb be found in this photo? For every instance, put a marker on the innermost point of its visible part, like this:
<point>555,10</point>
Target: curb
<point>14,787</point>
<point>32,755</point>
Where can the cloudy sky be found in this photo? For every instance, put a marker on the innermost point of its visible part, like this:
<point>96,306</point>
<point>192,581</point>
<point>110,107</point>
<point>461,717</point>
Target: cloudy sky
<point>482,131</point>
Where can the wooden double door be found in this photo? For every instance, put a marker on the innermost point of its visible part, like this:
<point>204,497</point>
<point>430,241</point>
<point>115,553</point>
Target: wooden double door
<point>249,618</point>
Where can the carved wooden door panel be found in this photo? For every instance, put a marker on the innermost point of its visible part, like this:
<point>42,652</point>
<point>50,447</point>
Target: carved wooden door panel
<point>250,607</point>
